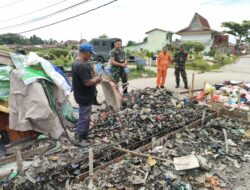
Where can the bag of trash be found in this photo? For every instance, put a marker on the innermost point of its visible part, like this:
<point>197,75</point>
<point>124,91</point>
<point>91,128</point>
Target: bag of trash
<point>68,112</point>
<point>4,82</point>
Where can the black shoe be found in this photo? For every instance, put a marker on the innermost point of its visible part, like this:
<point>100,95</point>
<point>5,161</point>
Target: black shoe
<point>157,87</point>
<point>177,86</point>
<point>162,87</point>
<point>80,141</point>
<point>186,86</point>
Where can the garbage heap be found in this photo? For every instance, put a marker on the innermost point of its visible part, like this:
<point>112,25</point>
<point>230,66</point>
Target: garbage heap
<point>146,113</point>
<point>196,159</point>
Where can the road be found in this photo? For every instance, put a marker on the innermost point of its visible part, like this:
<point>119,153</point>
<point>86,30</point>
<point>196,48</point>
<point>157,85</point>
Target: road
<point>237,71</point>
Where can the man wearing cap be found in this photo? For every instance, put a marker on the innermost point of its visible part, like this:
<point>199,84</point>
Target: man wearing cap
<point>84,87</point>
<point>118,63</point>
<point>180,59</point>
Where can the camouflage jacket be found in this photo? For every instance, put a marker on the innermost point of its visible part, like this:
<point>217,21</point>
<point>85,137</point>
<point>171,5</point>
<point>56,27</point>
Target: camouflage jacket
<point>118,56</point>
<point>180,58</point>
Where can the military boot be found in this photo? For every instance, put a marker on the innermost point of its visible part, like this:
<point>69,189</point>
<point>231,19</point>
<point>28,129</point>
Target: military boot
<point>177,85</point>
<point>186,86</point>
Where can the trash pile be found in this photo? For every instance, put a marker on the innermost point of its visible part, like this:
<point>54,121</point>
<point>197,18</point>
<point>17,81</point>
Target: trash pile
<point>231,94</point>
<point>146,114</point>
<point>195,159</point>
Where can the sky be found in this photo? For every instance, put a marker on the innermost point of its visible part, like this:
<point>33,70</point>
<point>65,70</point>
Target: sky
<point>126,19</point>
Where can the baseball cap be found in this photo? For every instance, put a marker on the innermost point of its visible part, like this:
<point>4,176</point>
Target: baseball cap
<point>86,47</point>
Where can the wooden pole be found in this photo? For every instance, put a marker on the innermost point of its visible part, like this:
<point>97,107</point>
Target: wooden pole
<point>91,169</point>
<point>141,154</point>
<point>225,137</point>
<point>19,161</point>
<point>192,88</point>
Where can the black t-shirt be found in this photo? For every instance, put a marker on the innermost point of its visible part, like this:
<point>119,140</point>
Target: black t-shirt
<point>81,72</point>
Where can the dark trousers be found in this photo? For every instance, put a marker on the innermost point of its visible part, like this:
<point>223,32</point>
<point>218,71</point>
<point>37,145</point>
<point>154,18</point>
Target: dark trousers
<point>180,71</point>
<point>83,123</point>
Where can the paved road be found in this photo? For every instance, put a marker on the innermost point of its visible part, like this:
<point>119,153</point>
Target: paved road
<point>238,71</point>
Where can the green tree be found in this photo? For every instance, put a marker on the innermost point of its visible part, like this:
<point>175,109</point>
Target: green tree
<point>103,36</point>
<point>239,30</point>
<point>10,38</point>
<point>197,47</point>
<point>34,40</point>
<point>131,43</point>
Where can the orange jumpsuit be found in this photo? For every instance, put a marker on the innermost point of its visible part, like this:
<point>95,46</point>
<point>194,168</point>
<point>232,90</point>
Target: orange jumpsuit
<point>163,62</point>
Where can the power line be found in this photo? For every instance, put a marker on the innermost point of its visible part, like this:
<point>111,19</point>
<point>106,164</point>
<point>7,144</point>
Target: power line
<point>46,16</point>
<point>69,18</point>
<point>31,12</point>
<point>10,4</point>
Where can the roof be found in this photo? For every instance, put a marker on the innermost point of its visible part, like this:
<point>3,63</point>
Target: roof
<point>204,24</point>
<point>156,29</point>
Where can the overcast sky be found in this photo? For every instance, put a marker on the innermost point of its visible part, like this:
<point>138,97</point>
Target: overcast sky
<point>127,19</point>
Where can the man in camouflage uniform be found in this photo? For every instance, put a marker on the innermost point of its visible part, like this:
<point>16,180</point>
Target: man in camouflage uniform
<point>180,59</point>
<point>118,63</point>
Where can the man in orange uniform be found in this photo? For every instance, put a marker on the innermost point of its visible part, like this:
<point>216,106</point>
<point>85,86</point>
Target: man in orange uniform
<point>163,61</point>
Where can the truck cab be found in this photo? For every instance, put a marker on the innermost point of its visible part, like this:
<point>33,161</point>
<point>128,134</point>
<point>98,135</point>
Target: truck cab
<point>102,47</point>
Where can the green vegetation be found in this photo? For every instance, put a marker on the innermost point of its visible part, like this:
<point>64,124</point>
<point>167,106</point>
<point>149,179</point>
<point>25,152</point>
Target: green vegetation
<point>10,38</point>
<point>239,30</point>
<point>220,60</point>
<point>191,46</point>
<point>144,73</point>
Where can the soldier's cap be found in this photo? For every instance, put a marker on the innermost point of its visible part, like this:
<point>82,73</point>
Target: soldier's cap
<point>87,47</point>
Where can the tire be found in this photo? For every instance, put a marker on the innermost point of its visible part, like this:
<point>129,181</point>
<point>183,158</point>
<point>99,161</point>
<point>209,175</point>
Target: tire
<point>100,59</point>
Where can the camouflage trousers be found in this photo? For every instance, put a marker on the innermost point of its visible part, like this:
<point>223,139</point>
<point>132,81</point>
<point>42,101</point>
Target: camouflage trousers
<point>118,74</point>
<point>180,70</point>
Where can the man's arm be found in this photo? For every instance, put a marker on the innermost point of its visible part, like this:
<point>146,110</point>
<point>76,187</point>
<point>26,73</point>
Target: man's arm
<point>85,76</point>
<point>113,62</point>
<point>93,82</point>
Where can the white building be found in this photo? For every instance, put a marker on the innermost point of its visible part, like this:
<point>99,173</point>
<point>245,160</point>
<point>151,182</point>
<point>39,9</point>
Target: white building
<point>199,30</point>
<point>156,39</point>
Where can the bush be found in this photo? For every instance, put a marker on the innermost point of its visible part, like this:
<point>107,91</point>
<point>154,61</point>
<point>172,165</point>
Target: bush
<point>59,52</point>
<point>211,53</point>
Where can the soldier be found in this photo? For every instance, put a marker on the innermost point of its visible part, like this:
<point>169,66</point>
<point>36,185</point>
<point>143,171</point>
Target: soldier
<point>180,59</point>
<point>118,63</point>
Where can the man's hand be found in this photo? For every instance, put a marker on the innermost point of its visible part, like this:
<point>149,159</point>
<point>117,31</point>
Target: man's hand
<point>98,79</point>
<point>123,65</point>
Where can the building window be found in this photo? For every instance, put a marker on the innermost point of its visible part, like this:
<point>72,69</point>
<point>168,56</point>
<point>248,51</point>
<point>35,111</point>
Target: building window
<point>104,43</point>
<point>96,43</point>
<point>167,36</point>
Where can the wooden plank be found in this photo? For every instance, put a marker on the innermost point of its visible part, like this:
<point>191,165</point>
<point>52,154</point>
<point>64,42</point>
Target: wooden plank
<point>25,155</point>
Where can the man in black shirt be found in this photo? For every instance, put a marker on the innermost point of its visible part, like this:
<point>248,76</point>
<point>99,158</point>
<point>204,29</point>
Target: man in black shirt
<point>84,86</point>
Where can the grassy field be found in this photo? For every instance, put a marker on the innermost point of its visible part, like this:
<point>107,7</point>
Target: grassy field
<point>144,73</point>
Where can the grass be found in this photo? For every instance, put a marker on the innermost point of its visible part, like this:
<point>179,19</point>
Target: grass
<point>202,65</point>
<point>142,73</point>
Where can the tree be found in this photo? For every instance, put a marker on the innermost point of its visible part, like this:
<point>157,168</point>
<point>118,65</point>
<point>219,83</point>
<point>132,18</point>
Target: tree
<point>197,47</point>
<point>103,36</point>
<point>34,40</point>
<point>131,43</point>
<point>239,30</point>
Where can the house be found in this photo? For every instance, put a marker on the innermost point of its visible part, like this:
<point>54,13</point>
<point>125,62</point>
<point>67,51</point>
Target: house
<point>72,42</point>
<point>199,30</point>
<point>156,39</point>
